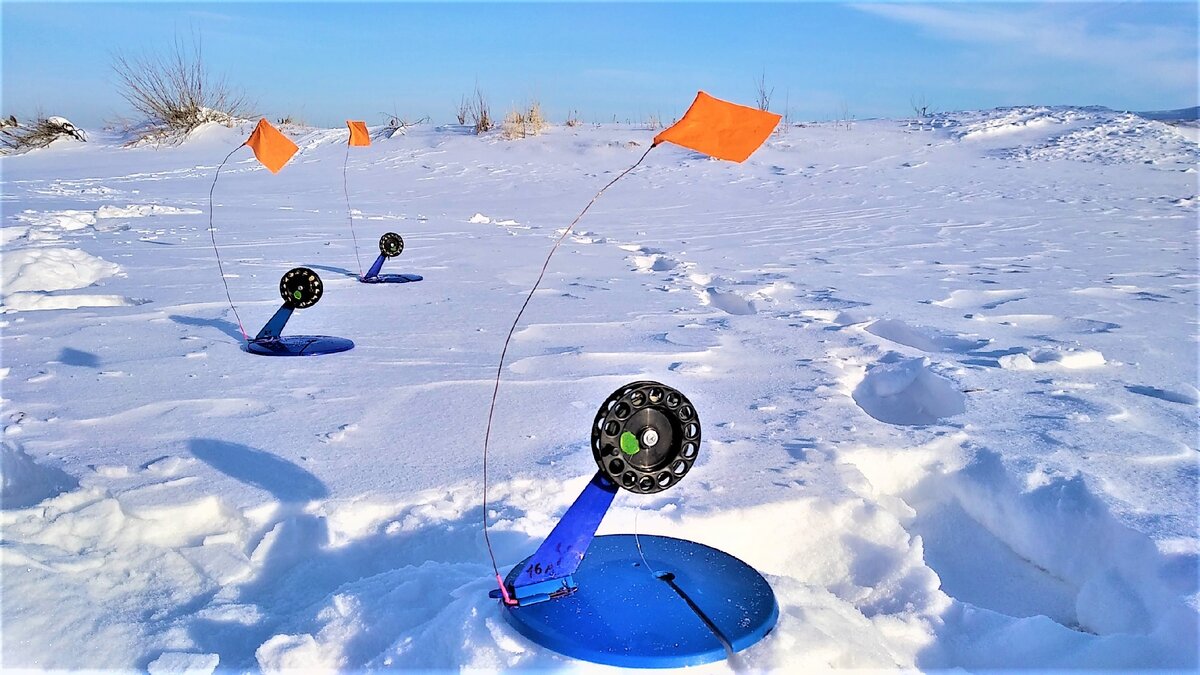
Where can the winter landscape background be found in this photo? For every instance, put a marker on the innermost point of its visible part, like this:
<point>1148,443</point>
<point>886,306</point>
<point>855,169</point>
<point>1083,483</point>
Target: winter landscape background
<point>946,369</point>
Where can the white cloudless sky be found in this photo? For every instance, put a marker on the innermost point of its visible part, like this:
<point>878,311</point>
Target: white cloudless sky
<point>325,62</point>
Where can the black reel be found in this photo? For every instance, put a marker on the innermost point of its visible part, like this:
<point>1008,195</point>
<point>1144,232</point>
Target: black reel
<point>391,245</point>
<point>301,288</point>
<point>646,437</point>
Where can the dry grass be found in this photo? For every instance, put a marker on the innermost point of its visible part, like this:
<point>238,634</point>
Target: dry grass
<point>573,119</point>
<point>17,138</point>
<point>528,121</point>
<point>174,92</point>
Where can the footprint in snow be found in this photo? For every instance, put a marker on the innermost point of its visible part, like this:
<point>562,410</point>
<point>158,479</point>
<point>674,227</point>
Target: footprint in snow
<point>726,301</point>
<point>924,339</point>
<point>1037,359</point>
<point>1165,394</point>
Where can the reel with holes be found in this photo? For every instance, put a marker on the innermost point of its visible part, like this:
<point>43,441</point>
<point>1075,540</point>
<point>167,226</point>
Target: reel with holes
<point>391,245</point>
<point>300,288</point>
<point>658,601</point>
<point>646,437</point>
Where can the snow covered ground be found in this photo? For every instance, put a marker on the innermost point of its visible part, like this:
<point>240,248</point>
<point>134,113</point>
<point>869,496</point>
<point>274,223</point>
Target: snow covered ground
<point>946,372</point>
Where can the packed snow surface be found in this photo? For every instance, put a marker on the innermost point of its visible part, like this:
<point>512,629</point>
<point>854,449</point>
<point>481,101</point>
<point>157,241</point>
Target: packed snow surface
<point>946,371</point>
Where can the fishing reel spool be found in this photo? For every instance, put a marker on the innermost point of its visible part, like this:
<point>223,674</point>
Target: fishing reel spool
<point>646,437</point>
<point>300,288</point>
<point>658,601</point>
<point>391,245</point>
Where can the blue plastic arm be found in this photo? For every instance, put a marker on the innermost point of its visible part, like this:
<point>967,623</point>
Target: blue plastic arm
<point>274,327</point>
<point>559,556</point>
<point>374,271</point>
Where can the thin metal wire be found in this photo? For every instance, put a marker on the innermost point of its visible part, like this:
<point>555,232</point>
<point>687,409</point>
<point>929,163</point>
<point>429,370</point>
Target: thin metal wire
<point>212,233</point>
<point>349,212</point>
<point>500,367</point>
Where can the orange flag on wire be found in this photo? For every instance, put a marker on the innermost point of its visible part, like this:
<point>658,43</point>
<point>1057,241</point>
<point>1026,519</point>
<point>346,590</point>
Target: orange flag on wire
<point>721,129</point>
<point>358,133</point>
<point>271,148</point>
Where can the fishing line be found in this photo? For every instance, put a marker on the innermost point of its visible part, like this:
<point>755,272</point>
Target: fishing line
<point>212,233</point>
<point>349,212</point>
<point>500,368</point>
<point>669,579</point>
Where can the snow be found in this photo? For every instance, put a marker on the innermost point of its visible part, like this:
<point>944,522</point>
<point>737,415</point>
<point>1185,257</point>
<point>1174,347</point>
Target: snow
<point>946,372</point>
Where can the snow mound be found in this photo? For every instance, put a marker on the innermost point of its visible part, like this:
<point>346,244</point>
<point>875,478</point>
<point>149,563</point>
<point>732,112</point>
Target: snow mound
<point>26,482</point>
<point>1090,134</point>
<point>51,269</point>
<point>1121,139</point>
<point>1010,121</point>
<point>907,392</point>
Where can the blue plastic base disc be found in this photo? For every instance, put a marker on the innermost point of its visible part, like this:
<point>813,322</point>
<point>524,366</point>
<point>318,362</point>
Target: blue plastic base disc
<point>627,615</point>
<point>391,278</point>
<point>299,345</point>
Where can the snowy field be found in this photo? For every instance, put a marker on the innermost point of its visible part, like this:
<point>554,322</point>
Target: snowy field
<point>946,373</point>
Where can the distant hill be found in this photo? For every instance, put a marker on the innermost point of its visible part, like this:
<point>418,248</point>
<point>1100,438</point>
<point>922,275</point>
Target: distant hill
<point>1183,114</point>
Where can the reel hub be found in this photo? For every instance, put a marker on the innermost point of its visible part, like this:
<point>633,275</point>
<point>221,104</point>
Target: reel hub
<point>646,437</point>
<point>301,288</point>
<point>391,245</point>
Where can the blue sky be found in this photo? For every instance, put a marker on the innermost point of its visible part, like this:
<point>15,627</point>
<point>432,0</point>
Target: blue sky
<point>327,62</point>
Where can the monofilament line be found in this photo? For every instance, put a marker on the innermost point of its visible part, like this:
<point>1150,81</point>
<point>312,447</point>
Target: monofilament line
<point>487,436</point>
<point>212,233</point>
<point>350,212</point>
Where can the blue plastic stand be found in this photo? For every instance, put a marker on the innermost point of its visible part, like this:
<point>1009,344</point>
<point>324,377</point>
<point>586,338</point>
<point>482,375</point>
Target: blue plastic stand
<point>269,342</point>
<point>594,598</point>
<point>626,613</point>
<point>374,277</point>
<point>299,345</point>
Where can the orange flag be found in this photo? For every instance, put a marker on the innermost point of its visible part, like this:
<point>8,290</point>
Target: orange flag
<point>271,148</point>
<point>358,133</point>
<point>721,129</point>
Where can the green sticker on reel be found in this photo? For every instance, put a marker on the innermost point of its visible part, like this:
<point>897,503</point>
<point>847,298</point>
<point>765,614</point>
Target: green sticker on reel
<point>629,444</point>
<point>297,294</point>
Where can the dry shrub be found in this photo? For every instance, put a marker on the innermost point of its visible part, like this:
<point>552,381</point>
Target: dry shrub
<point>763,101</point>
<point>398,125</point>
<point>464,109</point>
<point>573,118</point>
<point>528,121</point>
<point>174,92</point>
<point>480,113</point>
<point>16,138</point>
